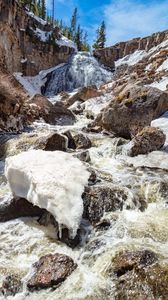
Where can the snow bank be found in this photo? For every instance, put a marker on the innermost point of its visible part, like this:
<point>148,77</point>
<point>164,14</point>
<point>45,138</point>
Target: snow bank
<point>51,180</point>
<point>33,84</point>
<point>161,85</point>
<point>32,15</point>
<point>131,59</point>
<point>63,41</point>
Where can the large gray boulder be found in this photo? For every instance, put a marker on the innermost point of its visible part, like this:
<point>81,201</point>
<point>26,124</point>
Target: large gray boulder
<point>133,109</point>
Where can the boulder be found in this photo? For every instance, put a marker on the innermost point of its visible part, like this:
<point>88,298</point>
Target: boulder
<point>99,199</point>
<point>148,140</point>
<point>56,114</point>
<point>140,275</point>
<point>82,141</point>
<point>44,140</point>
<point>83,156</point>
<point>11,285</point>
<point>16,208</point>
<point>133,109</point>
<point>127,261</point>
<point>82,95</point>
<point>51,271</point>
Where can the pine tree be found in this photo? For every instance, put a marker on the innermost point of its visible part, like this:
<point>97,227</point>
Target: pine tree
<point>73,24</point>
<point>101,36</point>
<point>43,9</point>
<point>78,38</point>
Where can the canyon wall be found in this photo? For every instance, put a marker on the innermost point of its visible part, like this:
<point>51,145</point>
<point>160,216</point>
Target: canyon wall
<point>109,55</point>
<point>27,43</point>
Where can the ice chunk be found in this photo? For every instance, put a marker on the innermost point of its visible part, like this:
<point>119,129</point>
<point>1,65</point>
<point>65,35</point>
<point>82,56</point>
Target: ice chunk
<point>51,180</point>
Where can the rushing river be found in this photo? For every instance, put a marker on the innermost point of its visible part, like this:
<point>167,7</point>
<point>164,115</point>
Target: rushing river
<point>23,241</point>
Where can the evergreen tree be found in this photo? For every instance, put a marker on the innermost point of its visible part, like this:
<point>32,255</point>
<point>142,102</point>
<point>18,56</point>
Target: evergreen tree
<point>43,9</point>
<point>101,36</point>
<point>73,24</point>
<point>78,38</point>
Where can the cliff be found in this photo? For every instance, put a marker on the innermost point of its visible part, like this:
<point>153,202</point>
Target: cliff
<point>27,43</point>
<point>109,55</point>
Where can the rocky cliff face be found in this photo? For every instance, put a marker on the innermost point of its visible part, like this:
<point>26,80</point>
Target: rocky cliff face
<point>27,43</point>
<point>109,55</point>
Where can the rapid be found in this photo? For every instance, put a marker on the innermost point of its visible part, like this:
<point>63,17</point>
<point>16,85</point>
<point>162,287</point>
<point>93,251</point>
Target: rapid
<point>141,225</point>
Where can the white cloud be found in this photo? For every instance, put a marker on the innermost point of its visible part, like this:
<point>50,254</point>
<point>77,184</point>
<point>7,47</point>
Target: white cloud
<point>126,19</point>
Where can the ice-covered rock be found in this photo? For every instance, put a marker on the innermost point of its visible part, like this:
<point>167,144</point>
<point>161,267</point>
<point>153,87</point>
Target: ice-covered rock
<point>51,180</point>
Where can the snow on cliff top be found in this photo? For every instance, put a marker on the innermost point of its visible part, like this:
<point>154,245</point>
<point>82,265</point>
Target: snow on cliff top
<point>51,180</point>
<point>63,41</point>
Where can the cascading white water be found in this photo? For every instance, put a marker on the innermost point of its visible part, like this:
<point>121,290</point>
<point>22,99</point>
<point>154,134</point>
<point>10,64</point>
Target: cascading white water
<point>81,70</point>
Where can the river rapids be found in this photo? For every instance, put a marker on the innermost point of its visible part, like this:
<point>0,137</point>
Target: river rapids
<point>23,241</point>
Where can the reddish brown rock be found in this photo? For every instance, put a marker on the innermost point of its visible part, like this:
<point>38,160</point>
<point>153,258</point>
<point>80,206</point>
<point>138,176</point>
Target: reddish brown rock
<point>51,271</point>
<point>82,95</point>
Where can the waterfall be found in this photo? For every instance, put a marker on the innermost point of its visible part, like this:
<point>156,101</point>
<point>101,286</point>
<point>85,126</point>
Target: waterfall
<point>81,70</point>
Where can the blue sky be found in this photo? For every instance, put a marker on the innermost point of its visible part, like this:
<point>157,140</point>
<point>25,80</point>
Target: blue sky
<point>124,19</point>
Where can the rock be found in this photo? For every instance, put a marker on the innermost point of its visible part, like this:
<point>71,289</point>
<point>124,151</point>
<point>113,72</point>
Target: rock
<point>82,141</point>
<point>12,101</point>
<point>55,142</point>
<point>148,140</point>
<point>140,276</point>
<point>16,208</point>
<point>46,179</point>
<point>83,95</point>
<point>133,110</point>
<point>71,142</point>
<point>100,199</point>
<point>125,262</point>
<point>51,271</point>
<point>83,156</point>
<point>44,140</point>
<point>11,285</point>
<point>47,219</point>
<point>56,114</point>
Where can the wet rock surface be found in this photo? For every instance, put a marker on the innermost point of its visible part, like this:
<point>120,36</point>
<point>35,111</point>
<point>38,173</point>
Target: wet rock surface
<point>141,276</point>
<point>51,271</point>
<point>148,140</point>
<point>16,208</point>
<point>82,141</point>
<point>101,199</point>
<point>11,285</point>
<point>128,261</point>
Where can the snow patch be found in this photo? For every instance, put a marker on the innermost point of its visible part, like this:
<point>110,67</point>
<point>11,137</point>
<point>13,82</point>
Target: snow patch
<point>162,123</point>
<point>32,15</point>
<point>33,84</point>
<point>51,180</point>
<point>131,59</point>
<point>42,35</point>
<point>161,85</point>
<point>63,41</point>
<point>164,66</point>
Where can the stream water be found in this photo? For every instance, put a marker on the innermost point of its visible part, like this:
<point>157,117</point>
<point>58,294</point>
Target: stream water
<point>23,241</point>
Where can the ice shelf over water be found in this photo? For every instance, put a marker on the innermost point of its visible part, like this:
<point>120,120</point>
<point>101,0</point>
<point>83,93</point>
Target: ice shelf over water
<point>47,179</point>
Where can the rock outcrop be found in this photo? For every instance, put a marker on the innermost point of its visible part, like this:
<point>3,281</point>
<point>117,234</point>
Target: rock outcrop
<point>27,44</point>
<point>109,55</point>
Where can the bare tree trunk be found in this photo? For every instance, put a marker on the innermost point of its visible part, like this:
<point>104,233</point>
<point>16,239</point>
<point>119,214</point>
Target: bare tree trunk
<point>53,14</point>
